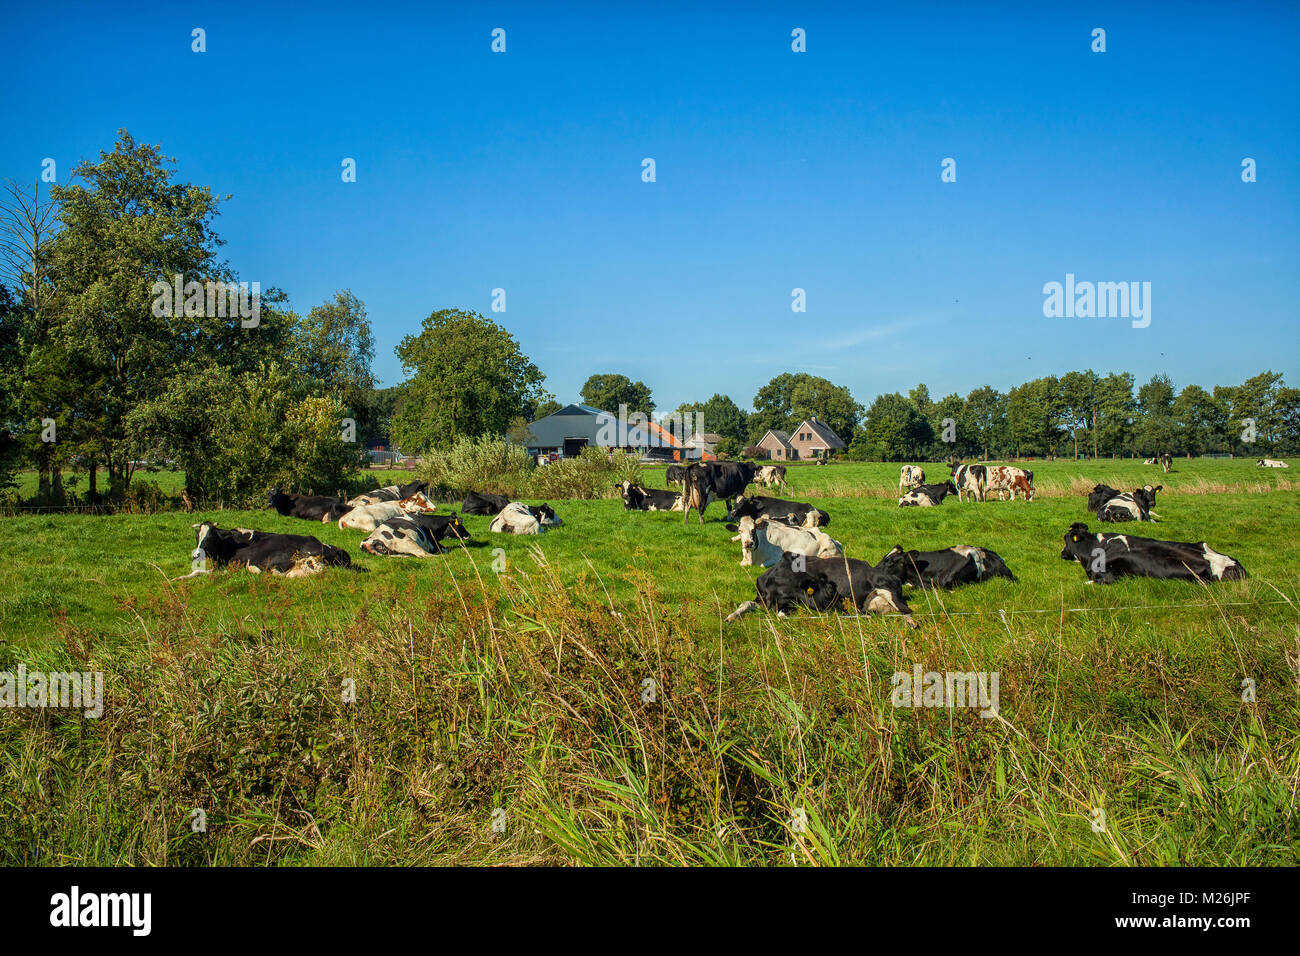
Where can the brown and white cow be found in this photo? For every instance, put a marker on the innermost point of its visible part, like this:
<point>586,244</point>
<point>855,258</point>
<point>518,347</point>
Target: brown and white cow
<point>1009,478</point>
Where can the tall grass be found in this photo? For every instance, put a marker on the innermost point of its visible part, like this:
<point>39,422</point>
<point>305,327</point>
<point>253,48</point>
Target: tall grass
<point>597,731</point>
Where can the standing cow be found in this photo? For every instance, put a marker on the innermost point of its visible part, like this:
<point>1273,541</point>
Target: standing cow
<point>909,476</point>
<point>715,481</point>
<point>970,480</point>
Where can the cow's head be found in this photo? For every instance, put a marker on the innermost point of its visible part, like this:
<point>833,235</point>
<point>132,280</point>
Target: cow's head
<point>1079,543</point>
<point>743,507</point>
<point>545,515</point>
<point>1146,496</point>
<point>632,494</point>
<point>1021,483</point>
<point>811,589</point>
<point>276,492</point>
<point>746,532</point>
<point>947,488</point>
<point>895,562</point>
<point>456,529</point>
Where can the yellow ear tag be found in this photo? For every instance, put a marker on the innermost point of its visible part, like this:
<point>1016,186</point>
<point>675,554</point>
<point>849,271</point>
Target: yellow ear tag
<point>810,590</point>
<point>1075,537</point>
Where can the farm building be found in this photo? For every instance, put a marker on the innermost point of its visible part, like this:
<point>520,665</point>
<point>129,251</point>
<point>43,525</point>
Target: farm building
<point>776,445</point>
<point>812,439</point>
<point>565,433</point>
<point>702,445</point>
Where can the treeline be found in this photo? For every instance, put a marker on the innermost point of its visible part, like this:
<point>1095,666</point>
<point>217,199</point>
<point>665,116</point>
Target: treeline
<point>1076,414</point>
<point>1085,414</point>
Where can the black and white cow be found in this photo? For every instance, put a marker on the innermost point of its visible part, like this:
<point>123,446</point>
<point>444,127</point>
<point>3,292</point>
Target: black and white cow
<point>482,503</point>
<point>825,583</point>
<point>389,493</point>
<point>1271,463</point>
<point>320,508</point>
<point>674,475</point>
<point>417,535</point>
<point>714,481</point>
<point>1101,494</point>
<point>970,480</point>
<point>292,555</point>
<point>1132,505</point>
<point>370,517</point>
<point>519,518</point>
<point>910,476</point>
<point>947,568</point>
<point>1107,557</point>
<point>794,512</point>
<point>927,496</point>
<point>767,539</point>
<point>636,498</point>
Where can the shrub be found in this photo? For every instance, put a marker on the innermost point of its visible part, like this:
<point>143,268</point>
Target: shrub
<point>478,464</point>
<point>593,474</point>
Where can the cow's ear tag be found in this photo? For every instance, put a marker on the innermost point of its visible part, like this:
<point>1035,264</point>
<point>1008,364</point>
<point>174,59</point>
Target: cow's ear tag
<point>1075,537</point>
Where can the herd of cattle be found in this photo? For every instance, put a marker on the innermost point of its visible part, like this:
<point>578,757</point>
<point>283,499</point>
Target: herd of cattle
<point>399,520</point>
<point>804,566</point>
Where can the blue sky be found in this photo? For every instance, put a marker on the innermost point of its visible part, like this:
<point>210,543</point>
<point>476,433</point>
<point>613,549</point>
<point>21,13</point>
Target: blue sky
<point>775,170</point>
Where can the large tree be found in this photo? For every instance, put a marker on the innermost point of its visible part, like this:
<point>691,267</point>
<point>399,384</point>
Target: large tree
<point>126,224</point>
<point>468,378</point>
<point>607,391</point>
<point>789,398</point>
<point>718,416</point>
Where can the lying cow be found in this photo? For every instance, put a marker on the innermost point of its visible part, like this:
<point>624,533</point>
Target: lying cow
<point>1271,463</point>
<point>771,476</point>
<point>1132,505</point>
<point>706,482</point>
<point>320,508</point>
<point>519,518</point>
<point>292,555</point>
<point>482,503</point>
<point>825,583</point>
<point>1107,557</point>
<point>636,498</point>
<point>389,493</point>
<point>1101,494</point>
<point>419,536</point>
<point>947,568</point>
<point>769,539</point>
<point>927,496</point>
<point>1002,478</point>
<point>910,476</point>
<point>793,512</point>
<point>370,517</point>
<point>1148,461</point>
<point>970,480</point>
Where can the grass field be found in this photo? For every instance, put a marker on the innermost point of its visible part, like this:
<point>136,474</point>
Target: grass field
<point>512,687</point>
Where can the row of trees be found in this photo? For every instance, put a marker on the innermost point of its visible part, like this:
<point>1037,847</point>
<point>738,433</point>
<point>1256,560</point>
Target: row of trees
<point>1085,414</point>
